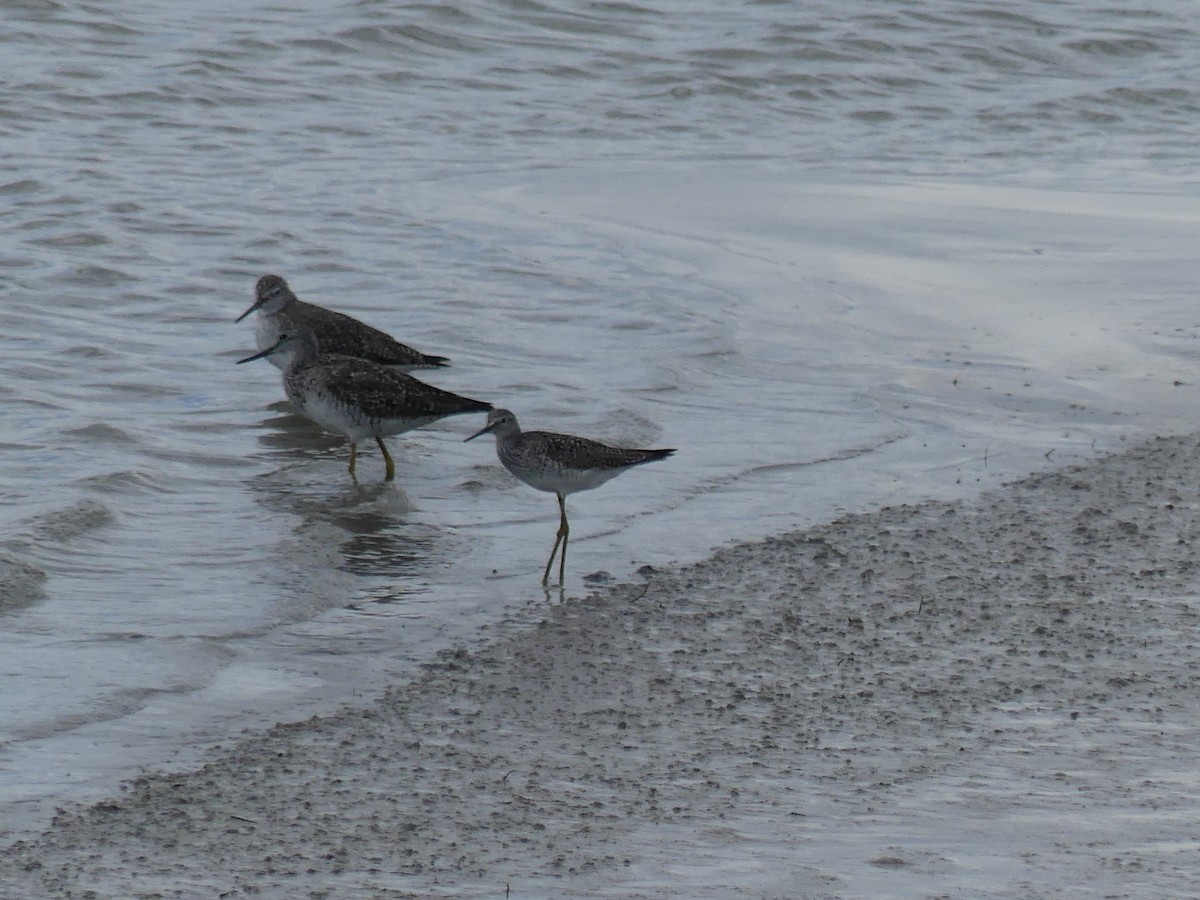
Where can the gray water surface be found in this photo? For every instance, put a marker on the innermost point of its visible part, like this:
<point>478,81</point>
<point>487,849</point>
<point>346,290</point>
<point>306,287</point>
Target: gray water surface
<point>838,253</point>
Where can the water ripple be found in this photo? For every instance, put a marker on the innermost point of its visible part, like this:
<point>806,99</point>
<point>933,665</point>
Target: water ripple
<point>21,585</point>
<point>160,157</point>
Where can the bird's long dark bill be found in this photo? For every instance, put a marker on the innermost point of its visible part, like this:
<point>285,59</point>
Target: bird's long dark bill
<point>484,430</point>
<point>275,346</point>
<point>257,304</point>
<point>258,355</point>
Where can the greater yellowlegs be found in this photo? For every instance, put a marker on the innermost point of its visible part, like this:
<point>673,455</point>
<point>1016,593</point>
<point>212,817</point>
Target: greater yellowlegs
<point>560,464</point>
<point>279,309</point>
<point>357,397</point>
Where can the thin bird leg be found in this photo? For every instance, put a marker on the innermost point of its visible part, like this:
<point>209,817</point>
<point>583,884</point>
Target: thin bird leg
<point>566,533</point>
<point>559,538</point>
<point>387,459</point>
<point>353,459</point>
<point>550,561</point>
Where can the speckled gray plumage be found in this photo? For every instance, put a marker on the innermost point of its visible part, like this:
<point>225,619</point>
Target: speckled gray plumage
<point>560,463</point>
<point>356,397</point>
<point>372,397</point>
<point>280,310</point>
<point>534,450</point>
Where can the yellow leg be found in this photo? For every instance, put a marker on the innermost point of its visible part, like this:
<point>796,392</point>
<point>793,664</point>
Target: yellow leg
<point>387,460</point>
<point>564,529</point>
<point>550,561</point>
<point>353,458</point>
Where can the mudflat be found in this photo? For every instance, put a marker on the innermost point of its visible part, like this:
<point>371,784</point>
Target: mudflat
<point>991,698</point>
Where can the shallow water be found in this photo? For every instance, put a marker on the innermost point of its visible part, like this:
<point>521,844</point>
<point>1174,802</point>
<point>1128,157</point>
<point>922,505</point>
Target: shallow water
<point>838,256</point>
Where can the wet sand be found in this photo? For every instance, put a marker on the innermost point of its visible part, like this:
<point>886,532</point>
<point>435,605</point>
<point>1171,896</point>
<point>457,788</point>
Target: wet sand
<point>996,697</point>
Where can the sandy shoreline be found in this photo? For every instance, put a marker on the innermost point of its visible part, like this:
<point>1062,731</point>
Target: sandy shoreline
<point>987,698</point>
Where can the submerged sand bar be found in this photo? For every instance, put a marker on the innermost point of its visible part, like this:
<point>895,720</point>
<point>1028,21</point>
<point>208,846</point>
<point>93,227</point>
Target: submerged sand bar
<point>997,697</point>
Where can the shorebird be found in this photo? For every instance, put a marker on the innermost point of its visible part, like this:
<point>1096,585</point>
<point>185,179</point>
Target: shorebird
<point>357,397</point>
<point>279,309</point>
<point>560,464</point>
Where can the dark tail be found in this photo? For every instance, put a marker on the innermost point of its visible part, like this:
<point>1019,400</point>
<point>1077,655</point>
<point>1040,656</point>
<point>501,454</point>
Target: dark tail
<point>469,406</point>
<point>655,455</point>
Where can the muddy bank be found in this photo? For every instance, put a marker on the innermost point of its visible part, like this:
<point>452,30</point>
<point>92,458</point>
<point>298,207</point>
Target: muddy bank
<point>992,698</point>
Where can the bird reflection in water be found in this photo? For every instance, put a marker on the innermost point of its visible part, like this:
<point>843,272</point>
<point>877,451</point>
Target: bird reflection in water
<point>400,554</point>
<point>364,528</point>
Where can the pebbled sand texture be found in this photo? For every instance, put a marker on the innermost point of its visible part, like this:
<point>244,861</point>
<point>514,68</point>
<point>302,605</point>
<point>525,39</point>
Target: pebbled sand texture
<point>993,698</point>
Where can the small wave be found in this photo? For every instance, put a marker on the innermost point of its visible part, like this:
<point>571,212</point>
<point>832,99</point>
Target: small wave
<point>1114,46</point>
<point>72,522</point>
<point>124,482</point>
<point>1154,97</point>
<point>71,239</point>
<point>101,433</point>
<point>23,186</point>
<point>412,37</point>
<point>21,585</point>
<point>98,276</point>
